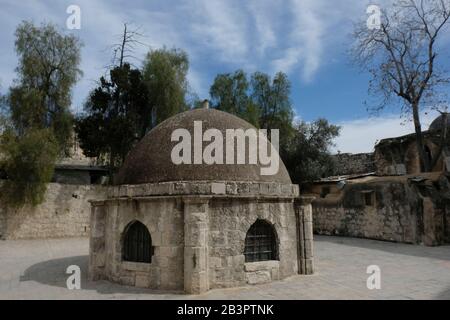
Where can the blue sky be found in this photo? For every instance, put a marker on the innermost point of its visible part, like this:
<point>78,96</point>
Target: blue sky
<point>307,39</point>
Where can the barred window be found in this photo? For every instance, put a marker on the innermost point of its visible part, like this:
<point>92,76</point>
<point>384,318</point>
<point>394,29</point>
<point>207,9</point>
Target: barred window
<point>137,244</point>
<point>260,242</point>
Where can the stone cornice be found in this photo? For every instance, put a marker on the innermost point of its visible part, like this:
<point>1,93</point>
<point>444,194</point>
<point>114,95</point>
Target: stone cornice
<point>205,188</point>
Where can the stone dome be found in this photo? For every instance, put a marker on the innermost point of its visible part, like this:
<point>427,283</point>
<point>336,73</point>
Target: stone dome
<point>438,123</point>
<point>150,160</point>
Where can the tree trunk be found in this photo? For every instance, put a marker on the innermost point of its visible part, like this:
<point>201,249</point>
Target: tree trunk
<point>424,161</point>
<point>442,143</point>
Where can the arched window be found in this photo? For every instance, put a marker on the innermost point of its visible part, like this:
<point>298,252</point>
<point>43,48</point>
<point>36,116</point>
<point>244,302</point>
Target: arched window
<point>260,242</point>
<point>137,243</point>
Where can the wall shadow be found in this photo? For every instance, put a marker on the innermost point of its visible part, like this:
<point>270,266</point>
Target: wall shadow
<point>53,273</point>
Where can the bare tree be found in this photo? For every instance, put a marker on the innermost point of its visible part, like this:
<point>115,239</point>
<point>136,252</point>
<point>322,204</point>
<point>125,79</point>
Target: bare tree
<point>123,52</point>
<point>127,42</point>
<point>401,56</point>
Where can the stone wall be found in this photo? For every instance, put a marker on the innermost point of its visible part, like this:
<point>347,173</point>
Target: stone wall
<point>71,176</point>
<point>163,218</point>
<point>399,156</point>
<point>401,209</point>
<point>64,213</point>
<point>348,163</point>
<point>218,248</point>
<point>394,215</point>
<point>199,239</point>
<point>229,222</point>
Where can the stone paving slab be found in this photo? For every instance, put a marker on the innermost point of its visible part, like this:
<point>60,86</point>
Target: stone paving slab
<point>35,269</point>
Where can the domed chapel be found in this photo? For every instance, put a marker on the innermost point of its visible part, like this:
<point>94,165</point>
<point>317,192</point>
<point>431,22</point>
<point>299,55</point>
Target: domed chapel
<point>196,226</point>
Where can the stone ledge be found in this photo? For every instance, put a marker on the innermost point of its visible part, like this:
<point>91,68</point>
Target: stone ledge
<point>214,188</point>
<point>262,271</point>
<point>261,265</point>
<point>136,266</point>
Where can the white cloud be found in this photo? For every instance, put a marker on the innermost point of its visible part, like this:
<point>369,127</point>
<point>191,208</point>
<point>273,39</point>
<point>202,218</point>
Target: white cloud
<point>265,15</point>
<point>257,35</point>
<point>361,135</point>
<point>220,26</point>
<point>315,29</point>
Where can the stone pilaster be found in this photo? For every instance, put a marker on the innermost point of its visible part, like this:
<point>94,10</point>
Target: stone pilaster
<point>97,241</point>
<point>196,232</point>
<point>303,213</point>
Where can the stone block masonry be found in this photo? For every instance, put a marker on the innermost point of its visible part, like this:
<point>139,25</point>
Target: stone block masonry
<point>65,212</point>
<point>198,232</point>
<point>392,209</point>
<point>348,163</point>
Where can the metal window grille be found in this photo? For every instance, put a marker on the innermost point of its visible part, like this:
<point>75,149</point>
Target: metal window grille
<point>260,242</point>
<point>137,245</point>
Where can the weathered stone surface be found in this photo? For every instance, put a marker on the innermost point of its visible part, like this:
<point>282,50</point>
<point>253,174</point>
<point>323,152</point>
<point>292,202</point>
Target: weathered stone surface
<point>258,277</point>
<point>229,223</point>
<point>398,210</point>
<point>197,216</point>
<point>151,162</point>
<point>65,212</point>
<point>164,220</point>
<point>218,188</point>
<point>348,163</point>
<point>199,244</point>
<point>136,266</point>
<point>261,265</point>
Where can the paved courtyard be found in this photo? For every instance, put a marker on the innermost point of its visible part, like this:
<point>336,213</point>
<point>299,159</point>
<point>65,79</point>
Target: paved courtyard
<point>35,269</point>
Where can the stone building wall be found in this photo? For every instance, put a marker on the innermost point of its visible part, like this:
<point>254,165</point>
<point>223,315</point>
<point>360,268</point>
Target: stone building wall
<point>401,209</point>
<point>65,212</point>
<point>399,156</point>
<point>394,216</point>
<point>198,232</point>
<point>163,217</point>
<point>348,163</point>
<point>229,222</point>
<point>72,177</point>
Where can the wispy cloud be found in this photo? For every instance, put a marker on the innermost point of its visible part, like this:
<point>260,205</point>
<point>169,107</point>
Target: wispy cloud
<point>272,36</point>
<point>266,16</point>
<point>306,38</point>
<point>221,27</point>
<point>299,37</point>
<point>361,135</point>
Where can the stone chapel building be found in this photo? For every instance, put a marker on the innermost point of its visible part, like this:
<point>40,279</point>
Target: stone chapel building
<point>197,227</point>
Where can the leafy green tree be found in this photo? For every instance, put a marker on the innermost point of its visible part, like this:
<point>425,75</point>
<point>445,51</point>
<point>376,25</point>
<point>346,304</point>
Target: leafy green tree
<point>36,119</point>
<point>164,73</point>
<point>4,110</point>
<point>29,162</point>
<point>272,96</point>
<point>116,115</point>
<point>265,102</point>
<point>230,93</point>
<point>262,101</point>
<point>307,156</point>
<point>47,71</point>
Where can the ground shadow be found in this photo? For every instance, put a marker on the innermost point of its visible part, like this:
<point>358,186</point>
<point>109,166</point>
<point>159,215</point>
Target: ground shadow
<point>438,252</point>
<point>444,295</point>
<point>53,273</point>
